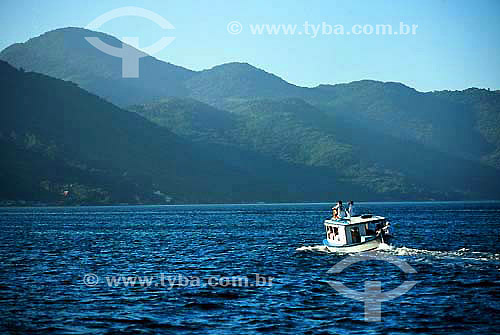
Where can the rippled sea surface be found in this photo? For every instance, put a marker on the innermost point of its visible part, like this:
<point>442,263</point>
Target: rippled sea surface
<point>62,270</point>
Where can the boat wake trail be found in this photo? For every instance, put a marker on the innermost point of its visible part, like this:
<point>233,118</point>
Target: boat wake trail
<point>464,253</point>
<point>318,248</point>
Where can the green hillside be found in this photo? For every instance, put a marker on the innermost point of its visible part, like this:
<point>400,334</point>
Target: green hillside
<point>296,132</point>
<point>54,134</point>
<point>57,137</point>
<point>65,54</point>
<point>378,140</point>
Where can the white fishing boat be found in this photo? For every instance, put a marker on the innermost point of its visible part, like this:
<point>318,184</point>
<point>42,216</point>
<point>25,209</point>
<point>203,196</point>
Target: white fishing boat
<point>356,234</point>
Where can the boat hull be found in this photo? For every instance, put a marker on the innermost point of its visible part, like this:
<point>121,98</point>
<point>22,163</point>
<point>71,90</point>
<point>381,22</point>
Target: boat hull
<point>359,247</point>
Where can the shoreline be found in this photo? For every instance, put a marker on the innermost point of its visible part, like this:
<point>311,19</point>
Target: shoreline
<point>422,202</point>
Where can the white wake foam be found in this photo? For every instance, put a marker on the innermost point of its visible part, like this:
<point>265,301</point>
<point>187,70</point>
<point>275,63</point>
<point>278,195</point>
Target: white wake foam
<point>463,253</point>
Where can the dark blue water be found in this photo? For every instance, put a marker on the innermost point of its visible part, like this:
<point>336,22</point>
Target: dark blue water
<point>45,254</point>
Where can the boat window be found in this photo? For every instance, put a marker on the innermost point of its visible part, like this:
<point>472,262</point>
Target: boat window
<point>370,229</point>
<point>332,233</point>
<point>355,236</point>
<point>329,232</point>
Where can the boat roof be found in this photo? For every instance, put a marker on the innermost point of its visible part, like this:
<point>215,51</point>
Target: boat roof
<point>365,218</point>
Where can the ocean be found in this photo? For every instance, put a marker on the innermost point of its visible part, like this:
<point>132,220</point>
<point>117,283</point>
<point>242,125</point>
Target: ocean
<point>244,269</point>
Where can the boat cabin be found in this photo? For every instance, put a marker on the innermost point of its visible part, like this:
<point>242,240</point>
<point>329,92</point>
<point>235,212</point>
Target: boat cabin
<point>357,229</point>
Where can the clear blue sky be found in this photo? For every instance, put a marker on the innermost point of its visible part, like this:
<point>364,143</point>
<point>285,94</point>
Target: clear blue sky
<point>456,45</point>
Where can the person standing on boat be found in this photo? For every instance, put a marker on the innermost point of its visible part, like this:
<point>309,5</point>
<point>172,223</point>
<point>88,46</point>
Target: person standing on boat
<point>338,210</point>
<point>350,209</point>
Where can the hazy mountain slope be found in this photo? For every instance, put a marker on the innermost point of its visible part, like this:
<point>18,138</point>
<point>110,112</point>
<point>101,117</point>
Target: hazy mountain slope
<point>29,171</point>
<point>485,106</point>
<point>65,54</point>
<point>459,124</point>
<point>447,121</point>
<point>384,137</point>
<point>77,129</point>
<point>237,80</point>
<point>55,134</point>
<point>361,152</point>
<point>428,118</point>
<point>298,133</point>
<point>191,119</point>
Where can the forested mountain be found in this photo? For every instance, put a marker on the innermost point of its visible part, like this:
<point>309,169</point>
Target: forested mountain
<point>66,54</point>
<point>484,105</point>
<point>373,139</point>
<point>56,137</point>
<point>238,80</point>
<point>441,120</point>
<point>296,132</point>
